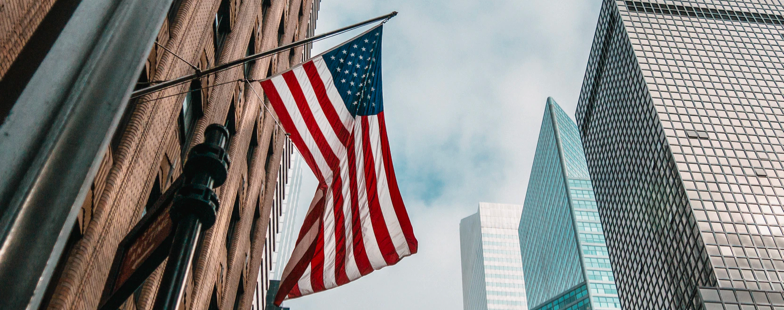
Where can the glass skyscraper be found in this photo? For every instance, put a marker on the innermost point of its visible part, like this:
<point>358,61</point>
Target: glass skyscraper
<point>490,256</point>
<point>681,117</point>
<point>562,243</point>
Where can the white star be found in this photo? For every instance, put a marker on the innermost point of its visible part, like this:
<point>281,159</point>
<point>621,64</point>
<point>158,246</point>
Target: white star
<point>349,63</point>
<point>366,67</point>
<point>338,69</point>
<point>363,49</point>
<point>360,57</point>
<point>355,74</point>
<point>363,76</point>
<point>357,66</point>
<point>332,57</point>
<point>371,50</point>
<point>341,61</point>
<point>372,89</point>
<point>369,97</point>
<point>354,103</point>
<point>374,42</point>
<point>355,46</point>
<point>372,74</point>
<point>349,92</point>
<point>344,51</point>
<point>352,83</point>
<point>366,40</point>
<point>346,72</point>
<point>343,80</point>
<point>376,35</point>
<point>352,54</point>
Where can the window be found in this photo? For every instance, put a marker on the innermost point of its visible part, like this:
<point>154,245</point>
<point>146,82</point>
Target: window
<point>254,143</point>
<point>250,51</point>
<point>240,292</point>
<point>214,299</point>
<point>191,110</point>
<point>235,219</point>
<point>155,193</point>
<point>265,7</point>
<point>281,30</point>
<point>173,9</point>
<point>230,122</point>
<point>254,223</point>
<point>221,26</point>
<point>268,162</point>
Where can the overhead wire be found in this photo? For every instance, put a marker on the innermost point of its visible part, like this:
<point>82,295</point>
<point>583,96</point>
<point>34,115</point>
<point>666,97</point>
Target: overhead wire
<point>263,103</point>
<point>178,56</point>
<point>241,61</point>
<point>220,68</point>
<point>191,90</point>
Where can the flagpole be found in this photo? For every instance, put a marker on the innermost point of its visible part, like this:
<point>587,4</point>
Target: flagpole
<point>183,79</point>
<point>193,211</point>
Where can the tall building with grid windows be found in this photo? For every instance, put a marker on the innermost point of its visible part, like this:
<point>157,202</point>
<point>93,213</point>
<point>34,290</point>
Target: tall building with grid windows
<point>562,245</point>
<point>680,115</point>
<point>490,256</point>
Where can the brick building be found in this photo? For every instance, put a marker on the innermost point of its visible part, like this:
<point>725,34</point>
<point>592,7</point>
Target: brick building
<point>148,148</point>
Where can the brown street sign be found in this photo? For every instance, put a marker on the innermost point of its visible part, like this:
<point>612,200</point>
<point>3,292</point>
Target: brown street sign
<point>141,251</point>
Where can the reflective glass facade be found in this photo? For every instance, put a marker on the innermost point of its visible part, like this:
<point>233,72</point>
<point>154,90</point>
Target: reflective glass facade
<point>490,256</point>
<point>574,299</point>
<point>562,244</point>
<point>680,115</point>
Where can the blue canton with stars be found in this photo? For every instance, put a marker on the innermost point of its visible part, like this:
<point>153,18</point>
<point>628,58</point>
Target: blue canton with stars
<point>356,72</point>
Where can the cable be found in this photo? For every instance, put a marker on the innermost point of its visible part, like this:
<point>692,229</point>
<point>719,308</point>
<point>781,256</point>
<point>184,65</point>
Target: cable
<point>250,84</point>
<point>231,64</point>
<point>263,104</point>
<point>178,56</point>
<point>180,93</point>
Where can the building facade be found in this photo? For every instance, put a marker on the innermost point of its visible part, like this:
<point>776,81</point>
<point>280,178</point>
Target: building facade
<point>281,233</point>
<point>681,119</point>
<point>562,244</point>
<point>490,258</point>
<point>156,131</point>
<point>288,228</point>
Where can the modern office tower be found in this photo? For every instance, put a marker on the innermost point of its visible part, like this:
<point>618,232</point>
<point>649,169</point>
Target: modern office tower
<point>145,154</point>
<point>282,231</point>
<point>562,245</point>
<point>490,257</point>
<point>681,118</point>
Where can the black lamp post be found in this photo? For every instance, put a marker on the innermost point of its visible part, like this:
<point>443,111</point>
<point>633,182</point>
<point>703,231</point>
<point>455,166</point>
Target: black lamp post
<point>194,210</point>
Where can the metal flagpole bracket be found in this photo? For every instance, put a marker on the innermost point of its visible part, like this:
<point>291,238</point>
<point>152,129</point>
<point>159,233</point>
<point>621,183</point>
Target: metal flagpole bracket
<point>393,14</point>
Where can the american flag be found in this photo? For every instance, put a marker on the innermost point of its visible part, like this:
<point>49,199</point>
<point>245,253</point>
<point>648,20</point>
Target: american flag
<point>332,107</point>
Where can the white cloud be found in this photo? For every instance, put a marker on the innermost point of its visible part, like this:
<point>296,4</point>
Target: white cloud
<point>465,83</point>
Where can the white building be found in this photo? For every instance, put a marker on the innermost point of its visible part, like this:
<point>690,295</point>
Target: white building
<point>282,231</point>
<point>490,255</point>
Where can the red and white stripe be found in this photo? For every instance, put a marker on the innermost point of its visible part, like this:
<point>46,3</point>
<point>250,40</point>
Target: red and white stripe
<point>357,221</point>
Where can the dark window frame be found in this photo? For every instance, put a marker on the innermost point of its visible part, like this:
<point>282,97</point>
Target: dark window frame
<point>221,26</point>
<point>191,110</point>
<point>247,66</point>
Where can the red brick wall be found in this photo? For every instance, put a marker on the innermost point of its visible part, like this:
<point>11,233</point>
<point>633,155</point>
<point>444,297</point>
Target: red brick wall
<point>18,20</point>
<point>149,138</point>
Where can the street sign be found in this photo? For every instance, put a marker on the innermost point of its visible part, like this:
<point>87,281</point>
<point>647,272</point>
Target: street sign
<point>141,251</point>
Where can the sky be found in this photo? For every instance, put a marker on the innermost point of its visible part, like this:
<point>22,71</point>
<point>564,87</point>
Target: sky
<point>465,85</point>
